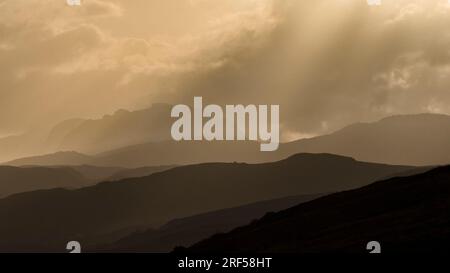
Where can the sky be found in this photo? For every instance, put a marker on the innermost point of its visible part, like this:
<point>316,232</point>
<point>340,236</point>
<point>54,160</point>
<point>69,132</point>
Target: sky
<point>327,63</point>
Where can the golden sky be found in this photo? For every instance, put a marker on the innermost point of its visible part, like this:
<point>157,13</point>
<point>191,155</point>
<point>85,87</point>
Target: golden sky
<point>328,63</point>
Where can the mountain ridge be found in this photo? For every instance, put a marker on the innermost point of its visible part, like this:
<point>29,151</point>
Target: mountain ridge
<point>189,230</point>
<point>15,180</point>
<point>90,212</point>
<point>395,140</point>
<point>411,218</point>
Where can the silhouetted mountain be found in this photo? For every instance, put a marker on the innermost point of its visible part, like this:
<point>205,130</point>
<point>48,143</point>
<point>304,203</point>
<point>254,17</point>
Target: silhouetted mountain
<point>57,216</point>
<point>22,145</point>
<point>138,172</point>
<point>30,178</point>
<point>95,173</point>
<point>165,153</point>
<point>14,180</point>
<point>56,159</point>
<point>189,230</point>
<point>182,153</point>
<point>404,214</point>
<point>60,131</point>
<point>123,128</point>
<point>409,140</point>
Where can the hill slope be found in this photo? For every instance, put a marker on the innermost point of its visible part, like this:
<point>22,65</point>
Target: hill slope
<point>417,140</point>
<point>91,136</point>
<point>88,213</point>
<point>120,129</point>
<point>405,214</point>
<point>189,230</point>
<point>55,159</point>
<point>156,154</point>
<point>14,179</point>
<point>138,172</point>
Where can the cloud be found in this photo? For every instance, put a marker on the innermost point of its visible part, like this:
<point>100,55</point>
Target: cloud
<point>331,63</point>
<point>327,63</point>
<point>100,8</point>
<point>58,61</point>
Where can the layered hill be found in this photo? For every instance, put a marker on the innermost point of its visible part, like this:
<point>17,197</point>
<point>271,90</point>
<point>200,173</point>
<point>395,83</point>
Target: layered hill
<point>419,140</point>
<point>31,178</point>
<point>90,213</point>
<point>189,230</point>
<point>123,128</point>
<point>15,179</point>
<point>91,136</point>
<point>404,214</point>
<point>69,158</point>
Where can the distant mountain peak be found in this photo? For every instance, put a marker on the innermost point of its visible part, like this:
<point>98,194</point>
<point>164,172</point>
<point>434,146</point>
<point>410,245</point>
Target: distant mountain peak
<point>419,139</point>
<point>58,158</point>
<point>311,156</point>
<point>426,115</point>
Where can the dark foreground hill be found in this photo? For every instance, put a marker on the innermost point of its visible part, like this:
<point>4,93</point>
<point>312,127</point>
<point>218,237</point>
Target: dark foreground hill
<point>189,230</point>
<point>46,220</point>
<point>405,214</point>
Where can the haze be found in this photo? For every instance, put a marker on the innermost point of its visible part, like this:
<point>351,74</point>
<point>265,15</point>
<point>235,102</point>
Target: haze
<point>326,63</point>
